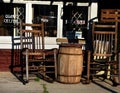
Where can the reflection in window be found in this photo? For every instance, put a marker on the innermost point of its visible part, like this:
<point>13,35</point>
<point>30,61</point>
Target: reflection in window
<point>75,19</point>
<point>48,15</point>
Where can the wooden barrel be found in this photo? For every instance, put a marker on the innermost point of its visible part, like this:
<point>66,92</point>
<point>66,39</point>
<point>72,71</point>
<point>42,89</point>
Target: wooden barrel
<point>70,63</point>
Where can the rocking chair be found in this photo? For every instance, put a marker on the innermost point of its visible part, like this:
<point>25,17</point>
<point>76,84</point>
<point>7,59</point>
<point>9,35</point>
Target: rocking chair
<point>103,59</point>
<point>35,58</point>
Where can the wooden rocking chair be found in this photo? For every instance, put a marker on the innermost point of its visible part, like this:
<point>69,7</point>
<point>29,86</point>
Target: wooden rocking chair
<point>103,59</point>
<point>35,58</point>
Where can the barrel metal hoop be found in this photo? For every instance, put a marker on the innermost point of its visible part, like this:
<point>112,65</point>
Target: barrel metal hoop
<point>69,54</point>
<point>69,75</point>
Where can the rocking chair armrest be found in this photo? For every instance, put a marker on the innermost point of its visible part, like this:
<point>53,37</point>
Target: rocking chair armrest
<point>23,51</point>
<point>53,50</point>
<point>115,54</point>
<point>50,49</point>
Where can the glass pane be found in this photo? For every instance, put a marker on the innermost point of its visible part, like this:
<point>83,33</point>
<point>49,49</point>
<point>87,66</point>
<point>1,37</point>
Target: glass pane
<point>48,15</point>
<point>74,19</point>
<point>10,16</point>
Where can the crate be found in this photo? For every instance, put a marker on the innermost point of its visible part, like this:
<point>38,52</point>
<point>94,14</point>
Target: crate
<point>110,15</point>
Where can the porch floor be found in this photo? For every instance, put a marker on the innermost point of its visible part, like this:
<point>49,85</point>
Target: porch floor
<point>10,84</point>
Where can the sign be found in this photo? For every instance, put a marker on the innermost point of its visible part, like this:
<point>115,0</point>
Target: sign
<point>11,19</point>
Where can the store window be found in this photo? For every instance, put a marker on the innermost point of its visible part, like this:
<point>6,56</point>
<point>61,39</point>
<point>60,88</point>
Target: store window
<point>48,15</point>
<point>10,16</point>
<point>75,18</point>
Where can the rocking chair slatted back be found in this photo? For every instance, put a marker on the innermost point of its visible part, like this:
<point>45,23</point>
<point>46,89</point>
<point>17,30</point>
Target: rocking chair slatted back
<point>32,36</point>
<point>104,40</point>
